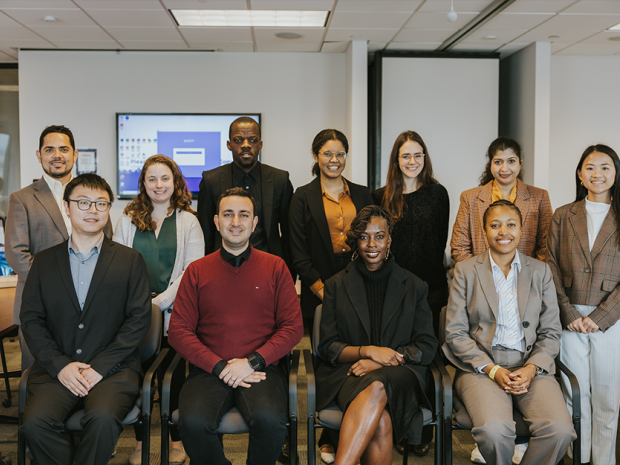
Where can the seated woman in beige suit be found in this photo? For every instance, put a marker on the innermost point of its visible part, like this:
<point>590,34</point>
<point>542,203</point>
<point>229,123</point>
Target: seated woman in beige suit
<point>503,334</point>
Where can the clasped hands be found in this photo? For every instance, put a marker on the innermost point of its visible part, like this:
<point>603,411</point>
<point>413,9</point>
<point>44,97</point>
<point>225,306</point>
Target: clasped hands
<point>238,372</point>
<point>515,382</point>
<point>79,378</point>
<point>583,325</point>
<point>374,357</point>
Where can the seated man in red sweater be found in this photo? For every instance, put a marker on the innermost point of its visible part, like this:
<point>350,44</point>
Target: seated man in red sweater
<point>235,315</point>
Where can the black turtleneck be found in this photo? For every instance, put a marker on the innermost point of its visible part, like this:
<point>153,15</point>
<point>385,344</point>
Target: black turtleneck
<point>236,260</point>
<point>375,283</point>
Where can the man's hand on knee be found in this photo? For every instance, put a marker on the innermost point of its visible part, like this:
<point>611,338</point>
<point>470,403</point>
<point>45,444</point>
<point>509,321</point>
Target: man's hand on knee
<point>71,378</point>
<point>91,376</point>
<point>254,378</point>
<point>236,371</point>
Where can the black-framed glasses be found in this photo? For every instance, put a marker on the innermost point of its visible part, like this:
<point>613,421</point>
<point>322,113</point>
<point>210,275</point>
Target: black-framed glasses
<point>84,205</point>
<point>340,156</point>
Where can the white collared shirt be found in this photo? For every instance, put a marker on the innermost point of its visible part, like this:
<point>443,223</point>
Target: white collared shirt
<point>508,333</point>
<point>58,191</point>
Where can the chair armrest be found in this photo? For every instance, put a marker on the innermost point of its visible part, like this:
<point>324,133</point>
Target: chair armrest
<point>148,382</point>
<point>311,383</point>
<point>165,393</point>
<point>23,390</point>
<point>438,385</point>
<point>447,385</point>
<point>292,383</point>
<point>575,391</point>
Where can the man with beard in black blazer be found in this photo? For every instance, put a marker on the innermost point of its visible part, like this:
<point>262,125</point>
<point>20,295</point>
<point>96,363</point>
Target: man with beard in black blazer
<point>86,306</point>
<point>270,187</point>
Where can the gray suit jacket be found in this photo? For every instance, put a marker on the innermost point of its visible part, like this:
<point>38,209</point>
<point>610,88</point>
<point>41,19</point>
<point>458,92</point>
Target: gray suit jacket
<point>33,223</point>
<point>473,307</point>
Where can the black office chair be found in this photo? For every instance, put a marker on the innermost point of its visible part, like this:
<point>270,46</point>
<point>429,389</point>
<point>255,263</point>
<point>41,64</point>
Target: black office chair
<point>232,421</point>
<point>462,420</point>
<point>331,416</point>
<point>141,412</point>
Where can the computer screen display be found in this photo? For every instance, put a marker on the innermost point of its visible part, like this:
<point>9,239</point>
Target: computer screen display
<point>196,142</point>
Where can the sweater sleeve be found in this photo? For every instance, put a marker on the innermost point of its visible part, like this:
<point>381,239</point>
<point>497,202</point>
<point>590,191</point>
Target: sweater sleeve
<point>289,323</point>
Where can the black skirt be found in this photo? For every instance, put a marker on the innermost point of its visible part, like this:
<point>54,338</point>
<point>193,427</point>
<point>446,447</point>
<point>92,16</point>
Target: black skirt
<point>404,394</point>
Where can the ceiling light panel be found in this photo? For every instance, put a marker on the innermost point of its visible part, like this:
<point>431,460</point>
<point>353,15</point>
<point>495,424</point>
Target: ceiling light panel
<point>247,18</point>
<point>614,28</point>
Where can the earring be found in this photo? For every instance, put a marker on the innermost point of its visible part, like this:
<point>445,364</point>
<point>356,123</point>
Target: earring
<point>581,182</point>
<point>387,254</point>
<point>355,255</point>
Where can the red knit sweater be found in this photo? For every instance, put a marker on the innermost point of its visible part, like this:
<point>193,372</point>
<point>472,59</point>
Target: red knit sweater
<point>222,312</point>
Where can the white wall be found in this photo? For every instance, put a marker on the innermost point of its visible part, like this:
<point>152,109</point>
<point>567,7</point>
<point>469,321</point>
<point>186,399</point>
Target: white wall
<point>585,110</point>
<point>453,104</point>
<point>298,94</point>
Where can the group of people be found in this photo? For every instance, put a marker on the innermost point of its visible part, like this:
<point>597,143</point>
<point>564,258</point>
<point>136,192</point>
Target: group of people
<point>224,279</point>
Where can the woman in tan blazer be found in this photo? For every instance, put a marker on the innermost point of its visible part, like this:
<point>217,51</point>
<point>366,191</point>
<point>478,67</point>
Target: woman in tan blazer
<point>501,180</point>
<point>583,251</point>
<point>503,334</point>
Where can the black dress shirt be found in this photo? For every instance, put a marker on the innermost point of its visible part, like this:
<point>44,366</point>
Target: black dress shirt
<point>251,182</point>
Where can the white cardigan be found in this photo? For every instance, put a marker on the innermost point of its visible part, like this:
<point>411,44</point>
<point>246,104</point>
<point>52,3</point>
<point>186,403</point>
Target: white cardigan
<point>190,247</point>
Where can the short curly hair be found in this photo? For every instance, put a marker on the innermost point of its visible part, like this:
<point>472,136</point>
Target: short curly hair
<point>361,220</point>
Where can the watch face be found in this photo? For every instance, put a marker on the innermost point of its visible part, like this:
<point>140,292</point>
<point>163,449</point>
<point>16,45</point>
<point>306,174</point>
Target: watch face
<point>253,363</point>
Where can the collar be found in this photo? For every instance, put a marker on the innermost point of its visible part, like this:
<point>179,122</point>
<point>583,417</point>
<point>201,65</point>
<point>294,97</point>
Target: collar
<point>54,184</point>
<point>516,262</point>
<point>97,246</point>
<point>496,194</point>
<point>236,260</point>
<point>346,188</point>
<point>254,172</point>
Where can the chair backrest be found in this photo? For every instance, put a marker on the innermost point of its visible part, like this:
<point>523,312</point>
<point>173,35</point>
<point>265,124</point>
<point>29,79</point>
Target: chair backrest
<point>316,330</point>
<point>150,344</point>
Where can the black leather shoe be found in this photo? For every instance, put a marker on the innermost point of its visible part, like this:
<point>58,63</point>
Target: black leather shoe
<point>420,450</point>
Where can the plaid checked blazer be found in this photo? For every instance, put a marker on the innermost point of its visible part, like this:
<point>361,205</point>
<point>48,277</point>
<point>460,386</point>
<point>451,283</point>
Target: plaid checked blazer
<point>469,238</point>
<point>584,277</point>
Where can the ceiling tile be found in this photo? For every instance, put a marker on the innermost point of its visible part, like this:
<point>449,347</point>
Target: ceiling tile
<point>334,47</point>
<point>119,4</point>
<point>223,46</point>
<point>144,33</point>
<point>538,6</point>
<point>17,33</point>
<point>22,43</point>
<point>154,44</point>
<point>7,21</point>
<point>413,46</point>
<point>475,47</point>
<point>502,36</point>
<point>376,46</point>
<point>469,6</point>
<point>87,44</point>
<point>431,20</point>
<point>36,4</point>
<point>8,53</point>
<point>602,38</point>
<point>307,34</point>
<point>525,21</point>
<point>216,34</point>
<point>75,17</point>
<point>131,18</point>
<point>595,6</point>
<point>587,21</point>
<point>379,35</point>
<point>509,49</point>
<point>322,5</point>
<point>54,33</point>
<point>591,49</point>
<point>207,4</point>
<point>283,46</point>
<point>373,5</point>
<point>557,46</point>
<point>569,28</point>
<point>424,35</point>
<point>374,20</point>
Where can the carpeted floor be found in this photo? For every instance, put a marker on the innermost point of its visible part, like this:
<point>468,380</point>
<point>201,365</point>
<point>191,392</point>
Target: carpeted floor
<point>234,445</point>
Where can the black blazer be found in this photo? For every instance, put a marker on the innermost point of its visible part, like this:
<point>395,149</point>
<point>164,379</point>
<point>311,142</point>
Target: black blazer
<point>276,193</point>
<point>106,333</point>
<point>311,244</point>
<point>407,323</point>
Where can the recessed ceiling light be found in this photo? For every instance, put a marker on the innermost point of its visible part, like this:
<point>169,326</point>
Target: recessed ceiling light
<point>490,37</point>
<point>288,35</point>
<point>615,39</point>
<point>614,28</point>
<point>250,18</point>
<point>49,18</point>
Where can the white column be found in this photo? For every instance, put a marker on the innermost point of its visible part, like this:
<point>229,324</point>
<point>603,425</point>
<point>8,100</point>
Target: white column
<point>357,111</point>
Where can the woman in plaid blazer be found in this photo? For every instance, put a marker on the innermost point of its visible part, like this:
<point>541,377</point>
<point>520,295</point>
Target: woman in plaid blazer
<point>583,252</point>
<point>501,180</point>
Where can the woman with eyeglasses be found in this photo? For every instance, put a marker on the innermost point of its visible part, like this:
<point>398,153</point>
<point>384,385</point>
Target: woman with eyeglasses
<point>320,216</point>
<point>161,225</point>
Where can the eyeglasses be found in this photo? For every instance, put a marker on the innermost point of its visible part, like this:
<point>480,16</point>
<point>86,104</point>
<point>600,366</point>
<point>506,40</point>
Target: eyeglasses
<point>84,205</point>
<point>416,156</point>
<point>340,156</point>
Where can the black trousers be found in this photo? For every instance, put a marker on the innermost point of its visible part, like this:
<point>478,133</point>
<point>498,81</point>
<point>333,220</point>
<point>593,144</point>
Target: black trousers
<point>106,405</point>
<point>205,399</point>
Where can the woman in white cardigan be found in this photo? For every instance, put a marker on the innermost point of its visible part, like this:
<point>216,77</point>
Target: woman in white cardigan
<point>160,224</point>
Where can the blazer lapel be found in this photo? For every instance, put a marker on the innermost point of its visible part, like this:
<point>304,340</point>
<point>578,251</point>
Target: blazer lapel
<point>607,230</point>
<point>579,222</point>
<point>103,263</point>
<point>315,204</point>
<point>523,200</point>
<point>396,290</point>
<point>354,287</point>
<point>44,195</point>
<point>357,196</point>
<point>64,268</point>
<point>485,275</point>
<point>484,197</point>
<point>524,282</point>
<point>225,179</point>
<point>267,197</point>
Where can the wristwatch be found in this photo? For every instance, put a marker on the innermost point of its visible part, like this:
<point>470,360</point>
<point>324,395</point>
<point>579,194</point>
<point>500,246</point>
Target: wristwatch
<point>254,362</point>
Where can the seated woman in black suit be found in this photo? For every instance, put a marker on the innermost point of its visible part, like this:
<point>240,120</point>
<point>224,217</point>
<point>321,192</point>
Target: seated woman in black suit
<point>376,338</point>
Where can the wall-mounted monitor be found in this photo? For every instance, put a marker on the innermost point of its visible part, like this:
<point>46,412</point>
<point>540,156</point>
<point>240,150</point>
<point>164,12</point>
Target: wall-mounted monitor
<point>196,142</point>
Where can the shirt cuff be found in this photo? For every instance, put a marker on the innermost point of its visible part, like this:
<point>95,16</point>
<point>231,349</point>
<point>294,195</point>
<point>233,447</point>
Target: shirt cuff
<point>317,286</point>
<point>219,367</point>
<point>481,369</point>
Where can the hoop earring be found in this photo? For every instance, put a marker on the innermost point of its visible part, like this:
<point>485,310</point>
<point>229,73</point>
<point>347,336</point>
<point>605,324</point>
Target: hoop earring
<point>355,255</point>
<point>387,254</point>
<point>581,182</point>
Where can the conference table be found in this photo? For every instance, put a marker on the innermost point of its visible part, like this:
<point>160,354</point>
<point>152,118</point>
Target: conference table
<point>7,296</point>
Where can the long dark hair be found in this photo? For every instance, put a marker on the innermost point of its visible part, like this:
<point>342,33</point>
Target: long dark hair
<point>323,138</point>
<point>393,200</point>
<point>614,190</point>
<point>499,145</point>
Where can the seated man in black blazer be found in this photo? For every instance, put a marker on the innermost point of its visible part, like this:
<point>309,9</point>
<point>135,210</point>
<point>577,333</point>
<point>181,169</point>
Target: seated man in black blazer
<point>85,309</point>
<point>270,187</point>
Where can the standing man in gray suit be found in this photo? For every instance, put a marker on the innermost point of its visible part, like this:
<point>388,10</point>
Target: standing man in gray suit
<point>36,220</point>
